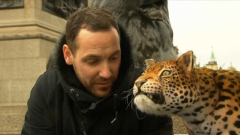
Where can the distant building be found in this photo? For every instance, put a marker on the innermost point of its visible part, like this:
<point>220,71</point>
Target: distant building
<point>198,65</point>
<point>231,67</point>
<point>212,64</point>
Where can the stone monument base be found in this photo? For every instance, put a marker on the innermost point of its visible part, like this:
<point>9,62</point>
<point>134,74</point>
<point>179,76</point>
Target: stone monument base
<point>27,36</point>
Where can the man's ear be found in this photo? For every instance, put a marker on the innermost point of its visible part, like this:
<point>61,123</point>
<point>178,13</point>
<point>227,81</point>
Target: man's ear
<point>67,55</point>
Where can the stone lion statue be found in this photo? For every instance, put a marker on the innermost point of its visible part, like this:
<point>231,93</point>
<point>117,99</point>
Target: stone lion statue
<point>147,24</point>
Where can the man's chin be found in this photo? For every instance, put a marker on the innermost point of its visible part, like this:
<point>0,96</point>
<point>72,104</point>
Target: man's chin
<point>101,93</point>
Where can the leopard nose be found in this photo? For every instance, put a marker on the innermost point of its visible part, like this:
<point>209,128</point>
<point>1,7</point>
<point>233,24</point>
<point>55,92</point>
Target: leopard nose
<point>140,82</point>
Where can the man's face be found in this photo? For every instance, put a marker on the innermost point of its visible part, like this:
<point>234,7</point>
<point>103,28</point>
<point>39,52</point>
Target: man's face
<point>97,60</point>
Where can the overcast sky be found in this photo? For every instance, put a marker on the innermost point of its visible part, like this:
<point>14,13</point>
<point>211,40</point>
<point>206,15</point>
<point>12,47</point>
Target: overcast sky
<point>206,25</point>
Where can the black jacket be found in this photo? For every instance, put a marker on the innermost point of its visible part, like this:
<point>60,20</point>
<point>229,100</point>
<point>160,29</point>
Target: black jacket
<point>60,105</point>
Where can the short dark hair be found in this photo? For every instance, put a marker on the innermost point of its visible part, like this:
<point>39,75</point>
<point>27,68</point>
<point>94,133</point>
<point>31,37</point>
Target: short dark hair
<point>93,19</point>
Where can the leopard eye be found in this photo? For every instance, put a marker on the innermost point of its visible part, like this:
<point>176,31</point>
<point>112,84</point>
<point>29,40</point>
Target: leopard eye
<point>166,73</point>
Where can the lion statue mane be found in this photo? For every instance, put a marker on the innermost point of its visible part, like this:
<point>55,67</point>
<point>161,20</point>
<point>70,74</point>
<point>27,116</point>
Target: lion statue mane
<point>147,24</point>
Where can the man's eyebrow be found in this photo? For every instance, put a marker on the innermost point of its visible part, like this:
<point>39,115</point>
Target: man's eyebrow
<point>89,56</point>
<point>116,52</point>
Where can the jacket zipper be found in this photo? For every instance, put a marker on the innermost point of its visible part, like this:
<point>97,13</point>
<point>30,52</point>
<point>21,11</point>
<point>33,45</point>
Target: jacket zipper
<point>115,108</point>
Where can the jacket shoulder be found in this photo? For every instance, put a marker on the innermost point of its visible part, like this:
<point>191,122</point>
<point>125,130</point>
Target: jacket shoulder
<point>48,81</point>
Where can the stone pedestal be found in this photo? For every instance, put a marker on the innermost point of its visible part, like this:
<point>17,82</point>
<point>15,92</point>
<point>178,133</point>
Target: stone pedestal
<point>27,35</point>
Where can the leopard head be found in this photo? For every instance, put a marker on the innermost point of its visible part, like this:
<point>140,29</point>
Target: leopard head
<point>166,88</point>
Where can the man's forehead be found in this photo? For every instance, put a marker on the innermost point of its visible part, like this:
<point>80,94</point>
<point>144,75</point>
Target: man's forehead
<point>98,39</point>
<point>101,54</point>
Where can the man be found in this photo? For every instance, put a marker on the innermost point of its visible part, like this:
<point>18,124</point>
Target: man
<point>84,93</point>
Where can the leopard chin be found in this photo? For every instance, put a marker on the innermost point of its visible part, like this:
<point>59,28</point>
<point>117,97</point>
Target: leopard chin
<point>145,103</point>
<point>156,98</point>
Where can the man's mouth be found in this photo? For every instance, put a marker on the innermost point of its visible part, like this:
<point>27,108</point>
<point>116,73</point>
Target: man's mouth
<point>104,84</point>
<point>156,98</point>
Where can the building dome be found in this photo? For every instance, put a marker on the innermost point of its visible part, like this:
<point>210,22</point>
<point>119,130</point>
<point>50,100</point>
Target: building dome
<point>231,67</point>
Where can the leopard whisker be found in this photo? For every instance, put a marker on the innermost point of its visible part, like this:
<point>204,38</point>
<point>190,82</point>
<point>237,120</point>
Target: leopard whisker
<point>130,104</point>
<point>139,116</point>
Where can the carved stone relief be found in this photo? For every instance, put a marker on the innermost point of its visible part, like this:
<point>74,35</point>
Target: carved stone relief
<point>63,8</point>
<point>11,4</point>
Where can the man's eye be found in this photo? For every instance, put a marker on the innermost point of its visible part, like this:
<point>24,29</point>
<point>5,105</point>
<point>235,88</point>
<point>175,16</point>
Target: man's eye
<point>114,58</point>
<point>92,61</point>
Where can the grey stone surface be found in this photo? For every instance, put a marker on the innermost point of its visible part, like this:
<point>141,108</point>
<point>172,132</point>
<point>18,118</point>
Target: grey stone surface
<point>15,91</point>
<point>178,125</point>
<point>11,117</point>
<point>27,36</point>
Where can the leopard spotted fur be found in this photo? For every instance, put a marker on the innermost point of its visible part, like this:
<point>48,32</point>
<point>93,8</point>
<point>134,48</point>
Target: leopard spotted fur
<point>207,100</point>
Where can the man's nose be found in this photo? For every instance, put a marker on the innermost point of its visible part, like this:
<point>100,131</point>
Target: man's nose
<point>105,72</point>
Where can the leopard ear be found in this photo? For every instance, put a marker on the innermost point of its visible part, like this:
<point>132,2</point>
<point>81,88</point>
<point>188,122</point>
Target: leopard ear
<point>187,61</point>
<point>149,62</point>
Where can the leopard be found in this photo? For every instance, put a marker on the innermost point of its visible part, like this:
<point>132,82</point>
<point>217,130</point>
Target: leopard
<point>207,100</point>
